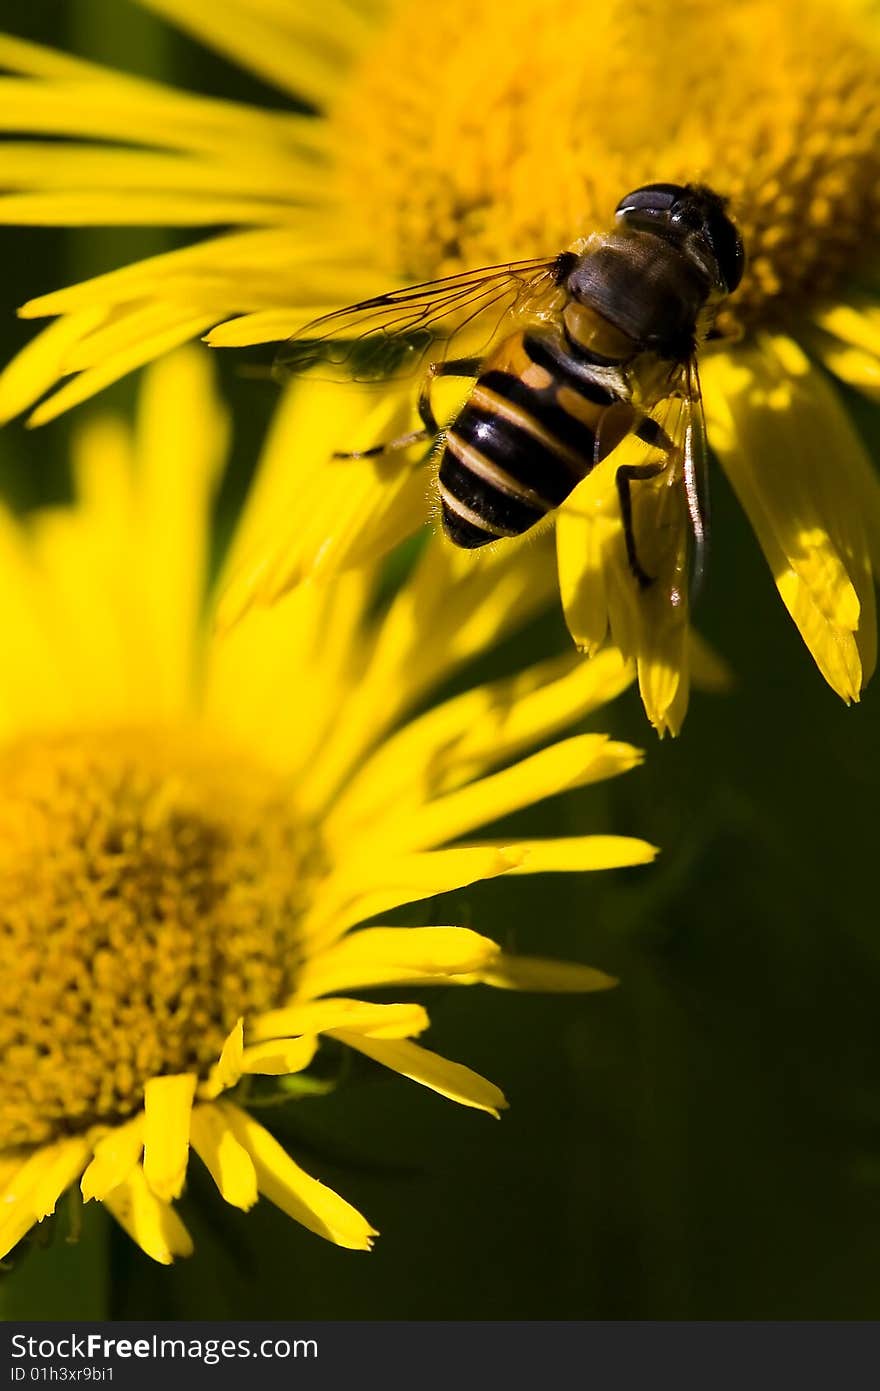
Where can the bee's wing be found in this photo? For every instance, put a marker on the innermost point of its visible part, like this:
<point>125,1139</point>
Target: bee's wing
<point>391,335</point>
<point>696,476</point>
<point>681,419</point>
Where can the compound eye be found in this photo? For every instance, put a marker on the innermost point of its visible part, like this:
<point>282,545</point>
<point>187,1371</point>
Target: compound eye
<point>659,197</point>
<point>648,206</point>
<point>729,251</point>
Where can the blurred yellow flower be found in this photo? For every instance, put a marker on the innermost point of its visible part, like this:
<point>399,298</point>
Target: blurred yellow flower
<point>471,136</point>
<point>191,826</point>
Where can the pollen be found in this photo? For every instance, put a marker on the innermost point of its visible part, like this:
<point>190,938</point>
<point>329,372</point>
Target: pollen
<point>519,127</point>
<point>150,886</point>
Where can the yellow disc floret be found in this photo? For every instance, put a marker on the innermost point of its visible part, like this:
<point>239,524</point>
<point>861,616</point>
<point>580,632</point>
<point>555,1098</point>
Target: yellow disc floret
<point>520,125</point>
<point>149,888</point>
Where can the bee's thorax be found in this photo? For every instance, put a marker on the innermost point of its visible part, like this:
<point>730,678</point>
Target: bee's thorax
<point>646,288</point>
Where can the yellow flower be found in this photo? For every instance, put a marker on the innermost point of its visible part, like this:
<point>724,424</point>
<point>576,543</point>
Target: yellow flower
<point>192,825</point>
<point>474,135</point>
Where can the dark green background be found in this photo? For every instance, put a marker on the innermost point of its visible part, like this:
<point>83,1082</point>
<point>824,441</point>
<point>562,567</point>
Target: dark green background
<point>703,1142</point>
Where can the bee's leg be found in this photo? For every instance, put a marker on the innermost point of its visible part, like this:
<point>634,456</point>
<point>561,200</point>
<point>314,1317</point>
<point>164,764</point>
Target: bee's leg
<point>649,432</point>
<point>626,475</point>
<point>614,424</point>
<point>387,446</point>
<point>455,367</point>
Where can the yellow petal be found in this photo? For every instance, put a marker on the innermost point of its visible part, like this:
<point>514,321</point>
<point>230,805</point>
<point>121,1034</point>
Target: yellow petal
<point>450,1079</point>
<point>709,670</point>
<point>85,590</point>
<point>10,1164</point>
<point>574,854</point>
<point>79,98</point>
<point>669,718</point>
<point>466,602</point>
<point>280,1057</point>
<point>599,591</point>
<point>264,326</point>
<point>802,476</point>
<point>857,322</point>
<point>583,536</point>
<point>660,613</point>
<point>38,366</point>
<point>591,563</point>
<point>39,687</point>
<point>181,325</point>
<point>16,1217</point>
<point>120,330</point>
<point>466,607</point>
<point>228,1069</point>
<point>17,1222</point>
<point>150,209</point>
<point>852,365</point>
<point>847,339</point>
<point>310,513</point>
<point>390,955</point>
<point>181,446</point>
<point>367,886</point>
<point>571,763</point>
<point>45,165</point>
<point>834,650</point>
<point>218,264</point>
<point>664,677</point>
<point>122,578</point>
<point>167,1110</point>
<point>225,1158</point>
<point>542,974</point>
<point>318,630</point>
<point>488,725</point>
<point>20,55</point>
<point>385,1021</point>
<point>58,1167</point>
<point>115,1155</point>
<point>285,54</point>
<point>34,1188</point>
<point>290,1188</point>
<point>154,1225</point>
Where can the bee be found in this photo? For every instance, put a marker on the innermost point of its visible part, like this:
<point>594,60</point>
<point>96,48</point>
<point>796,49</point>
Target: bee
<point>589,346</point>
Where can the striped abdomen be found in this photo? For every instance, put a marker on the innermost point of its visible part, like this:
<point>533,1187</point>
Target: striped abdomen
<point>524,439</point>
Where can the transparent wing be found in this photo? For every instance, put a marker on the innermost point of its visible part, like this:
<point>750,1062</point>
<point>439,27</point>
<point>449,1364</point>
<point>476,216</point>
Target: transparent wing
<point>696,477</point>
<point>391,335</point>
<point>682,425</point>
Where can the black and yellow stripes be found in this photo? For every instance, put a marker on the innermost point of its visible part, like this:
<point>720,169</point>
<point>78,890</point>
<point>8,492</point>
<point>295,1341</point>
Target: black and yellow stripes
<point>524,439</point>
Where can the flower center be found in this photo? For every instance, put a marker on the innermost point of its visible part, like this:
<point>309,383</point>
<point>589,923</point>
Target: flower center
<point>150,884</point>
<point>496,131</point>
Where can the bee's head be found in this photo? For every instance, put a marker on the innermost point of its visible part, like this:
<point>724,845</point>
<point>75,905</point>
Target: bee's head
<point>695,219</point>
